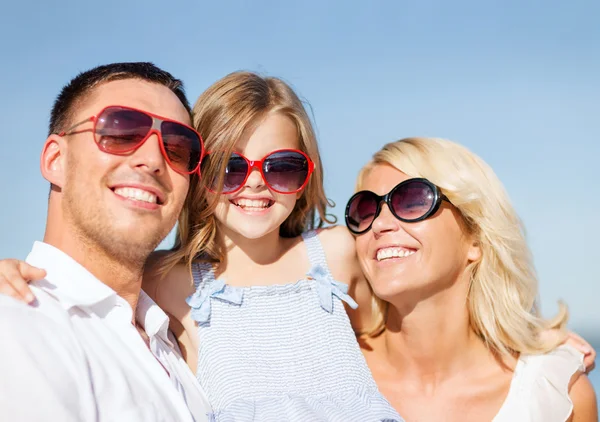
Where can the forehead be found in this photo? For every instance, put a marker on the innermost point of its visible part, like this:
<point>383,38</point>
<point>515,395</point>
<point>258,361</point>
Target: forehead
<point>275,131</point>
<point>382,178</point>
<point>140,94</point>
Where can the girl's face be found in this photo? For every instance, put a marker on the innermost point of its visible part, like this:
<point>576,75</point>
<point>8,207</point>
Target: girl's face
<point>255,210</point>
<point>422,257</point>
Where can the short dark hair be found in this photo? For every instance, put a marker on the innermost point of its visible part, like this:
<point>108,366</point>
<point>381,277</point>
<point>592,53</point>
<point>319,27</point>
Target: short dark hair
<point>82,84</point>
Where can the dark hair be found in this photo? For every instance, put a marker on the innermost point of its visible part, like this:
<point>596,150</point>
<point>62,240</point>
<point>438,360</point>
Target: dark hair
<point>82,84</point>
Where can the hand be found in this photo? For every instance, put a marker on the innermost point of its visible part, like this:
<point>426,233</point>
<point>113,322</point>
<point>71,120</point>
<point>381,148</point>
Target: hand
<point>15,276</point>
<point>589,358</point>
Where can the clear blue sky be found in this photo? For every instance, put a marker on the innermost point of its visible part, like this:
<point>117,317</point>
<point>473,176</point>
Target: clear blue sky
<point>516,81</point>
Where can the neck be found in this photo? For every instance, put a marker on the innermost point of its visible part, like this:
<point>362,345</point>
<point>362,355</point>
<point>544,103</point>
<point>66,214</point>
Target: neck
<point>125,278</point>
<point>432,340</point>
<point>262,251</point>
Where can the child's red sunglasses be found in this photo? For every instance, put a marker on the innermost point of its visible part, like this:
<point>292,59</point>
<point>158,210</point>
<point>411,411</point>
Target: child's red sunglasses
<point>120,130</point>
<point>284,171</point>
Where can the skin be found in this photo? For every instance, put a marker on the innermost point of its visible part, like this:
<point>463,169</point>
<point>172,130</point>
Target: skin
<point>429,366</point>
<point>416,372</point>
<point>87,219</point>
<point>256,254</point>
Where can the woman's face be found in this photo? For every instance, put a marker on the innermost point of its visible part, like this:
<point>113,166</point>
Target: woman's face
<point>424,257</point>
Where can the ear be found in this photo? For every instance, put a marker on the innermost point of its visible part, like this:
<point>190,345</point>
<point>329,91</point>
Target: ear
<point>52,160</point>
<point>474,251</point>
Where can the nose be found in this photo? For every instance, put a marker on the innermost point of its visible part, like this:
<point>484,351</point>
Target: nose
<point>385,221</point>
<point>149,156</point>
<point>255,179</point>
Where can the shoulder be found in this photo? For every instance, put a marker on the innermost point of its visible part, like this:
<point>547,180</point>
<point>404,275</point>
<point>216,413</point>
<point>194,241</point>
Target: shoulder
<point>584,400</point>
<point>170,288</point>
<point>43,327</point>
<point>338,244</point>
<point>557,377</point>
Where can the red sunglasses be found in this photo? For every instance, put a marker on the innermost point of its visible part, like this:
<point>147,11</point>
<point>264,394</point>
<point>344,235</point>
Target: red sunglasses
<point>284,171</point>
<point>120,130</point>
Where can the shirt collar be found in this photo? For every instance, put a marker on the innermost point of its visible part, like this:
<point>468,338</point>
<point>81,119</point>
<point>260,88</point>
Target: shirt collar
<point>153,319</point>
<point>66,279</point>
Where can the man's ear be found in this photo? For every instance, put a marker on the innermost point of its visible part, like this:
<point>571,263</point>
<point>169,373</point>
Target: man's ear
<point>52,160</point>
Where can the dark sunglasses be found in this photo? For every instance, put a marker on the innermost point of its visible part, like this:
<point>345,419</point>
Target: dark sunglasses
<point>284,171</point>
<point>410,201</point>
<point>120,130</point>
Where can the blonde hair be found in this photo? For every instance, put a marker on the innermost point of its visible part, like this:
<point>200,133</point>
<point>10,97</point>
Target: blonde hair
<point>222,114</point>
<point>503,283</point>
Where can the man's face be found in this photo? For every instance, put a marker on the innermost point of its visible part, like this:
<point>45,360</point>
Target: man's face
<point>122,204</point>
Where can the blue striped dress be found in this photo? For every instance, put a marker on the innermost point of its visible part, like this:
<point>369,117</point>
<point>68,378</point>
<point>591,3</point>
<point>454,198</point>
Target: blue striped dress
<point>283,352</point>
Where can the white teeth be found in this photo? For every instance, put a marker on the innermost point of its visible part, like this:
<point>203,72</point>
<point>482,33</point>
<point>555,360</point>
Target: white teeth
<point>137,195</point>
<point>252,204</point>
<point>393,252</point>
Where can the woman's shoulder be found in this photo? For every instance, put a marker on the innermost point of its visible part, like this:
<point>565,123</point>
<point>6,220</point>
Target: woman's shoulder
<point>546,382</point>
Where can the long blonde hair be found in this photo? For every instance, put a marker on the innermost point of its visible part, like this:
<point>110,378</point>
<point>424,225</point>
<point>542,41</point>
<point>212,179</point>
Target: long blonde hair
<point>503,284</point>
<point>221,115</point>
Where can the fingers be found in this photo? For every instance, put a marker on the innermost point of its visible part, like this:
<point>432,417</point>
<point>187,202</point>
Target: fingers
<point>7,289</point>
<point>589,358</point>
<point>14,276</point>
<point>31,273</point>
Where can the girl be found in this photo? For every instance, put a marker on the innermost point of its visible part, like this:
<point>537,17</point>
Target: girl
<point>261,317</point>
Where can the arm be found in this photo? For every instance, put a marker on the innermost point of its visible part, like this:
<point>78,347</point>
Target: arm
<point>170,291</point>
<point>584,401</point>
<point>39,377</point>
<point>343,262</point>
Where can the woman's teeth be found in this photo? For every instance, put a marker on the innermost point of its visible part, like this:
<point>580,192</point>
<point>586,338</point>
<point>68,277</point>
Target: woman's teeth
<point>252,204</point>
<point>388,253</point>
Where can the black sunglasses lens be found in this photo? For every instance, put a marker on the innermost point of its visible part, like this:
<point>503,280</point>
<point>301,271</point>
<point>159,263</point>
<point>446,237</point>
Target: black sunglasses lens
<point>361,211</point>
<point>413,200</point>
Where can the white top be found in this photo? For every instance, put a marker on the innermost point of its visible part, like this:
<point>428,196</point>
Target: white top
<point>539,391</point>
<point>77,357</point>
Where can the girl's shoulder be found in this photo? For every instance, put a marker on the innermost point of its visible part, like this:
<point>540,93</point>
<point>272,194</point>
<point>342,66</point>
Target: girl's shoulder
<point>167,286</point>
<point>338,243</point>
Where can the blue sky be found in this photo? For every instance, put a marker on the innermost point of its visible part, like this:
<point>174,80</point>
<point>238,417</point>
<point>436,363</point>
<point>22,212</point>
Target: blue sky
<point>516,81</point>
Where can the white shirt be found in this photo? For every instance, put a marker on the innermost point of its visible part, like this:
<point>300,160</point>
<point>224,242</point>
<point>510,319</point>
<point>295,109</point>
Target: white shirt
<point>75,356</point>
<point>539,391</point>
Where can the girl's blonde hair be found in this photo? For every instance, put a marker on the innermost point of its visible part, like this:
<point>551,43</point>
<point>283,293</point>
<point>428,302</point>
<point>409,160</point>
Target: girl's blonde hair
<point>503,284</point>
<point>222,115</point>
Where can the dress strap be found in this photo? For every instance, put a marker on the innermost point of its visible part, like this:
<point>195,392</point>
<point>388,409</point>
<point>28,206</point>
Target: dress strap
<point>316,254</point>
<point>203,273</point>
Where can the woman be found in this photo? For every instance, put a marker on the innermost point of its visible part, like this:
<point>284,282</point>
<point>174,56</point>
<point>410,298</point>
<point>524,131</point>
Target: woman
<point>456,336</point>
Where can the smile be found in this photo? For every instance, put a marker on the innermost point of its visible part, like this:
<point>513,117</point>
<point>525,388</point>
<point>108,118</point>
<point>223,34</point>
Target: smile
<point>259,204</point>
<point>136,194</point>
<point>393,252</point>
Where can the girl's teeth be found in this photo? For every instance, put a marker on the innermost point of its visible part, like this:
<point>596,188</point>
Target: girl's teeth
<point>137,194</point>
<point>388,253</point>
<point>252,203</point>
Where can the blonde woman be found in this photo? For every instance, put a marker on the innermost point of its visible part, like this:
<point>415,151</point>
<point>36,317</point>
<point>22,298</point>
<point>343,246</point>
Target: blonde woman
<point>455,333</point>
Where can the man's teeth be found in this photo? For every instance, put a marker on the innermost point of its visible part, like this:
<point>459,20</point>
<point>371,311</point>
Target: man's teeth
<point>388,253</point>
<point>137,195</point>
<point>252,204</point>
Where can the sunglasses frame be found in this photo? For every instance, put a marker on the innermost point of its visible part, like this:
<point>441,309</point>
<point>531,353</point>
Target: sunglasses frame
<point>387,198</point>
<point>258,164</point>
<point>154,129</point>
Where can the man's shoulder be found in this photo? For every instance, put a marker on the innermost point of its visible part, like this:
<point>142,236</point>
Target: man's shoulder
<point>33,323</point>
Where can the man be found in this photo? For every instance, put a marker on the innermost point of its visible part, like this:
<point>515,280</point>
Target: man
<point>94,347</point>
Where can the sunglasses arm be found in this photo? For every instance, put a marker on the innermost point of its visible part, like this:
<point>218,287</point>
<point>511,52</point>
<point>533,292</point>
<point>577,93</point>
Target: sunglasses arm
<point>69,130</point>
